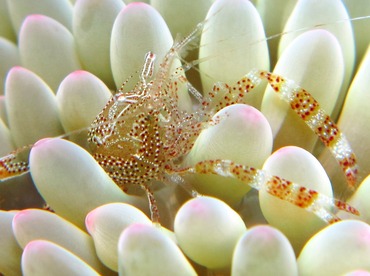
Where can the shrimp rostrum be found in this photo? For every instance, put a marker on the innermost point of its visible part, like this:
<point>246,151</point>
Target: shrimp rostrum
<point>143,135</point>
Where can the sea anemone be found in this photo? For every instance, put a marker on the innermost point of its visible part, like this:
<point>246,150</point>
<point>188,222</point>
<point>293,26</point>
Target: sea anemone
<point>60,62</point>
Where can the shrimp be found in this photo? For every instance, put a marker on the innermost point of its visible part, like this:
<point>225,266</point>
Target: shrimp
<point>142,135</point>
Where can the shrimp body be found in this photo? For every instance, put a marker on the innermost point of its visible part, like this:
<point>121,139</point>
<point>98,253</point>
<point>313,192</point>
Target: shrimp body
<point>140,133</point>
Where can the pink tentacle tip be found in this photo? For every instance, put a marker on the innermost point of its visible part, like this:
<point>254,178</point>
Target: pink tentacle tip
<point>16,68</point>
<point>136,7</point>
<point>42,142</point>
<point>265,232</point>
<point>20,217</point>
<point>34,17</point>
<point>364,236</point>
<point>287,150</point>
<point>251,114</point>
<point>137,228</point>
<point>197,206</point>
<point>90,221</point>
<point>34,246</point>
<point>137,4</point>
<point>79,73</point>
<point>21,214</point>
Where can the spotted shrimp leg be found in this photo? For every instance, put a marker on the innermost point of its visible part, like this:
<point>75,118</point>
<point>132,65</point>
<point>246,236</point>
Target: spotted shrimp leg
<point>300,196</point>
<point>10,166</point>
<point>303,104</point>
<point>154,212</point>
<point>309,110</point>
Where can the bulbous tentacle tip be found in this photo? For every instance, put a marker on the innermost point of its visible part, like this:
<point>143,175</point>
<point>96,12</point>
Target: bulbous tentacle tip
<point>33,246</point>
<point>137,4</point>
<point>78,73</point>
<point>21,214</point>
<point>89,221</point>
<point>42,142</point>
<point>16,68</point>
<point>35,17</point>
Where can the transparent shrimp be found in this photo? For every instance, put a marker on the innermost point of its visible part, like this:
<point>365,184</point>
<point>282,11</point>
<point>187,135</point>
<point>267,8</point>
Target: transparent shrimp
<point>142,135</point>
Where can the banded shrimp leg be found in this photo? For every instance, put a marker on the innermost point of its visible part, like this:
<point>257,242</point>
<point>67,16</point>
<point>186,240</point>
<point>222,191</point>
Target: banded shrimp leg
<point>309,110</point>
